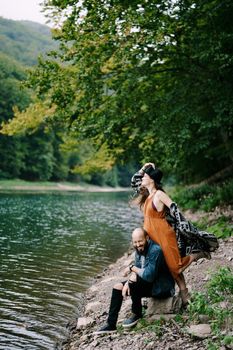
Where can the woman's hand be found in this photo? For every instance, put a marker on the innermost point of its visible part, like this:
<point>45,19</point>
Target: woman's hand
<point>146,165</point>
<point>126,271</point>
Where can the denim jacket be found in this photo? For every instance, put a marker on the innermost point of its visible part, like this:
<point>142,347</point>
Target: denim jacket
<point>155,270</point>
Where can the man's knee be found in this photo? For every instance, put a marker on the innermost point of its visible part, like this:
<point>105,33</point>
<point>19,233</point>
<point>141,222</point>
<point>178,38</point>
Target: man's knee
<point>133,277</point>
<point>118,286</point>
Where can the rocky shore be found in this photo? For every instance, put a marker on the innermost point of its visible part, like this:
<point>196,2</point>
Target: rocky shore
<point>166,333</point>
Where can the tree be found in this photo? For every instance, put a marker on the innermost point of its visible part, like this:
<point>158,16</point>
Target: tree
<point>31,156</point>
<point>11,148</point>
<point>147,79</point>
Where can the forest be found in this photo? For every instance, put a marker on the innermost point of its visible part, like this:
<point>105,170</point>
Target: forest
<point>124,82</point>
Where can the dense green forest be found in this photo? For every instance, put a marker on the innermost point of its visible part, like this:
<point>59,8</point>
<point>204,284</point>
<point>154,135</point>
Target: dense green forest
<point>25,40</point>
<point>43,153</point>
<point>24,156</point>
<point>135,81</point>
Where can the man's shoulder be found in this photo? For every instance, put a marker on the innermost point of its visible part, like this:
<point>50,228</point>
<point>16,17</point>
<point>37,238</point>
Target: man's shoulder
<point>154,247</point>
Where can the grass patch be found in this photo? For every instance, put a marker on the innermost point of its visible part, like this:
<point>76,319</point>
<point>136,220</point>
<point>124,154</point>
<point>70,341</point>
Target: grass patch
<point>37,185</point>
<point>156,327</point>
<point>204,197</point>
<point>216,303</point>
<point>221,227</point>
<point>207,198</point>
<point>16,182</point>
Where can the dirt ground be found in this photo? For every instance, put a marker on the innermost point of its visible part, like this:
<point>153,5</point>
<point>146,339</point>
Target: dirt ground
<point>97,298</point>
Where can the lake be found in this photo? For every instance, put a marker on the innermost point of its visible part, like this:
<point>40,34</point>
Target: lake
<point>52,245</point>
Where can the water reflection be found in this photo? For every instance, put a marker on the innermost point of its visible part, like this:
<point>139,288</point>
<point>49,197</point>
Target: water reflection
<point>51,246</point>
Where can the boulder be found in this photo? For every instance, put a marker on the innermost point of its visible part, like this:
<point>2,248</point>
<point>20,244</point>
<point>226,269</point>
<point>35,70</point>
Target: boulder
<point>94,289</point>
<point>84,322</point>
<point>199,331</point>
<point>163,306</point>
<point>92,307</point>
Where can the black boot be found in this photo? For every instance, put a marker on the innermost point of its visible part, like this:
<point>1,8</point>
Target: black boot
<point>136,300</point>
<point>115,306</point>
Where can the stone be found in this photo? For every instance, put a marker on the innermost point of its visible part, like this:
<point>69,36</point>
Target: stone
<point>84,338</point>
<point>84,322</point>
<point>163,306</point>
<point>157,317</point>
<point>223,305</point>
<point>204,318</point>
<point>200,331</point>
<point>93,289</point>
<point>207,277</point>
<point>94,343</point>
<point>92,307</point>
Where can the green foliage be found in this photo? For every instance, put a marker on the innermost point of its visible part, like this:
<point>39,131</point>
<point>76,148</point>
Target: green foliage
<point>227,340</point>
<point>12,74</point>
<point>151,79</point>
<point>219,289</point>
<point>204,197</point>
<point>220,286</point>
<point>199,306</point>
<point>207,198</point>
<point>34,156</point>
<point>11,148</point>
<point>222,228</point>
<point>155,327</point>
<point>25,40</point>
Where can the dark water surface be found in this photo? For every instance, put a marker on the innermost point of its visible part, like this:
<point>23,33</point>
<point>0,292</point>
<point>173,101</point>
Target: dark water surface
<point>51,245</point>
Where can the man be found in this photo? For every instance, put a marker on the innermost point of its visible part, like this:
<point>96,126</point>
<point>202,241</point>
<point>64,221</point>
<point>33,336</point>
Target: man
<point>147,277</point>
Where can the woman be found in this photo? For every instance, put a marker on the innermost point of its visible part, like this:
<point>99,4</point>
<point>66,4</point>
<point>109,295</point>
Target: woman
<point>154,201</point>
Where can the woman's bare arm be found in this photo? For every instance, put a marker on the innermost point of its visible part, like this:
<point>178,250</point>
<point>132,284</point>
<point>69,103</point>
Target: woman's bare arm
<point>162,197</point>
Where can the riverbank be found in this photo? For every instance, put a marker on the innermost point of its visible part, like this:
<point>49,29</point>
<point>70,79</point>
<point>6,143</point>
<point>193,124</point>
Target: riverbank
<point>20,185</point>
<point>167,333</point>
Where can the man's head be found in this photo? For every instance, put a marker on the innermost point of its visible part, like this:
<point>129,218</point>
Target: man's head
<point>139,239</point>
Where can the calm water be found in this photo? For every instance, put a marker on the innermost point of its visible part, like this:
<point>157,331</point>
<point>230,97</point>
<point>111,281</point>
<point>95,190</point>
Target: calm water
<point>51,245</point>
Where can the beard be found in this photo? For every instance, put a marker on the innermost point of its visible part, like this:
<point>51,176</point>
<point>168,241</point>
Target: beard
<point>142,248</point>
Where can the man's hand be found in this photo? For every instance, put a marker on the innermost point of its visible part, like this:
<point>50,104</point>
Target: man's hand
<point>126,290</point>
<point>126,271</point>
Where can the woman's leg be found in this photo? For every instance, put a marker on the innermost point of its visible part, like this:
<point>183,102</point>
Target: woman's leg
<point>196,257</point>
<point>184,294</point>
<point>180,281</point>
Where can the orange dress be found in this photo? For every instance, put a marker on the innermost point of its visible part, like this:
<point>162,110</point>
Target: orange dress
<point>163,234</point>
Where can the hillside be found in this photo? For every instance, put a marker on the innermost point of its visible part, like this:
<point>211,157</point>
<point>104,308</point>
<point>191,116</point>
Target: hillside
<point>25,40</point>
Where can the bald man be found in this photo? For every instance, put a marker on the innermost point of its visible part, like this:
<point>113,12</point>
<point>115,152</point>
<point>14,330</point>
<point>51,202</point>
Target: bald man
<point>147,277</point>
